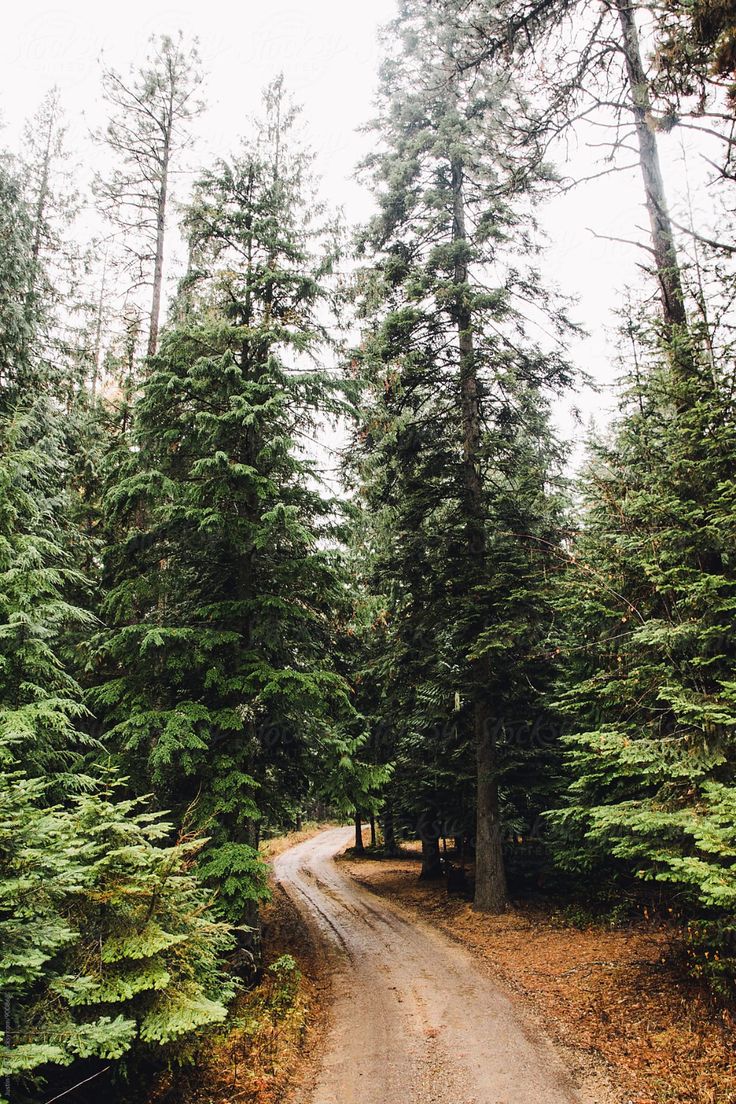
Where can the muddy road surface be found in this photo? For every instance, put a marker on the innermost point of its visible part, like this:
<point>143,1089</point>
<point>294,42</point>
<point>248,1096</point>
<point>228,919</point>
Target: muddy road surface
<point>413,1020</point>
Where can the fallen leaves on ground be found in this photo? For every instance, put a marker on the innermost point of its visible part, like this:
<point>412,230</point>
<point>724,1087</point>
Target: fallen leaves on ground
<point>615,994</point>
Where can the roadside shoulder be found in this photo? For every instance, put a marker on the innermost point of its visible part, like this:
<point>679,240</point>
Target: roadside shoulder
<point>606,997</point>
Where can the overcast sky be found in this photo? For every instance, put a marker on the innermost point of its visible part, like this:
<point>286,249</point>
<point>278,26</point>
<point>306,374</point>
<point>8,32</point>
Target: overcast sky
<point>328,52</point>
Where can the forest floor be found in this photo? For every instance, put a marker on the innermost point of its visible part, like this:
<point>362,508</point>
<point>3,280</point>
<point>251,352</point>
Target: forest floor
<point>623,1021</point>
<point>611,996</point>
<point>413,1017</point>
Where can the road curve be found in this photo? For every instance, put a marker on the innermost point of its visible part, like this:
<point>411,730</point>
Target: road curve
<point>413,1021</point>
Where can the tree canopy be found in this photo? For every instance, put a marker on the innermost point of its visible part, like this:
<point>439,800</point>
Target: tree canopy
<point>306,540</point>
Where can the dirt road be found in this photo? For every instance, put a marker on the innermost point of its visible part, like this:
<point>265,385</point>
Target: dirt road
<point>413,1022</point>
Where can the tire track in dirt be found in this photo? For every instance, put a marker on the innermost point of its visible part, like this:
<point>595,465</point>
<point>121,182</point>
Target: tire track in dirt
<point>413,1020</point>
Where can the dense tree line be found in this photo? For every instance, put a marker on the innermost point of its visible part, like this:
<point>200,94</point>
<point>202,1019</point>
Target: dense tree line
<point>201,641</point>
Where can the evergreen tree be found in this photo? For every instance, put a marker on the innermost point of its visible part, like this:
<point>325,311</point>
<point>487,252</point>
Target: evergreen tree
<point>696,52</point>
<point>650,682</point>
<point>459,418</point>
<point>105,935</point>
<point>150,115</point>
<point>107,941</point>
<point>597,70</point>
<point>40,703</point>
<point>224,591</point>
<point>18,314</point>
<point>52,202</point>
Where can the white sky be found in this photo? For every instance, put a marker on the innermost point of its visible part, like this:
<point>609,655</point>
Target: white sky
<point>328,52</point>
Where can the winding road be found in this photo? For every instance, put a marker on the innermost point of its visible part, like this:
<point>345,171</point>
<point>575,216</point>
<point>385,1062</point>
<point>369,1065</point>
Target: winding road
<point>414,1021</point>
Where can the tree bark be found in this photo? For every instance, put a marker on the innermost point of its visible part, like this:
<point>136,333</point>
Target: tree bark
<point>250,938</point>
<point>97,366</point>
<point>390,846</point>
<point>490,880</point>
<point>158,264</point>
<point>359,848</point>
<point>663,243</point>
<point>490,874</point>
<point>431,865</point>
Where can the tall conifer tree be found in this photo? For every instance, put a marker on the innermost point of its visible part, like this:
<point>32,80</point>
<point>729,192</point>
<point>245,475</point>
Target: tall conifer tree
<point>106,939</point>
<point>151,111</point>
<point>224,588</point>
<point>651,677</point>
<point>462,382</point>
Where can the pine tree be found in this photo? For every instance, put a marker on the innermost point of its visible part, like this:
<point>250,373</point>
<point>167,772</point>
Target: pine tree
<point>52,201</point>
<point>696,52</point>
<point>650,684</point>
<point>105,934</point>
<point>572,87</point>
<point>40,703</point>
<point>225,586</point>
<point>107,941</point>
<point>148,130</point>
<point>106,938</point>
<point>462,397</point>
<point>18,315</point>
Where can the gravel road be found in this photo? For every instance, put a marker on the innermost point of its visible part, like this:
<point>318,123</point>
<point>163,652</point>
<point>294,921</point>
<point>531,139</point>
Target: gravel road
<point>413,1020</point>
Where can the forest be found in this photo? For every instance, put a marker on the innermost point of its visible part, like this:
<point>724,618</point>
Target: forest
<point>292,534</point>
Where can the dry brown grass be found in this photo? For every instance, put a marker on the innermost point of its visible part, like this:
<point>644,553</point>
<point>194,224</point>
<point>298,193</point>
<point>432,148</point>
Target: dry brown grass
<point>262,1054</point>
<point>275,846</point>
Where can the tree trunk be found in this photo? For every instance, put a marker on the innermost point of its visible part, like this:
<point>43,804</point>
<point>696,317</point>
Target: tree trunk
<point>374,838</point>
<point>663,243</point>
<point>250,939</point>
<point>359,848</point>
<point>490,884</point>
<point>97,367</point>
<point>431,865</point>
<point>490,876</point>
<point>158,270</point>
<point>158,264</point>
<point>390,846</point>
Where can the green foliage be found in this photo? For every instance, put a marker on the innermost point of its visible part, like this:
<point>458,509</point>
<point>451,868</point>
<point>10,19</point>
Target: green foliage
<point>224,587</point>
<point>454,609</point>
<point>710,953</point>
<point>351,778</point>
<point>650,680</point>
<point>107,937</point>
<point>239,873</point>
<point>248,642</point>
<point>286,979</point>
<point>39,702</point>
<point>18,314</point>
<point>696,47</point>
